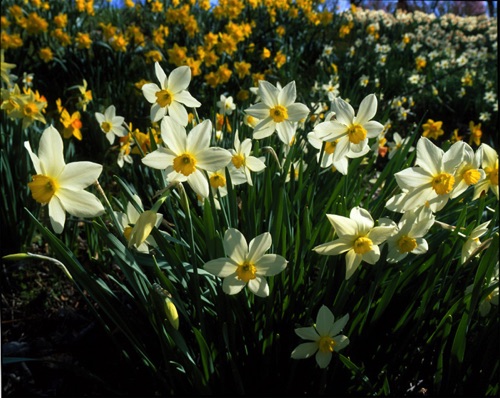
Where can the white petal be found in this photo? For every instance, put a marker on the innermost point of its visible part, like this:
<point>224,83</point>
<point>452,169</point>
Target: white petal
<point>373,128</point>
<point>352,261</point>
<point>307,333</point>
<point>50,152</point>
<point>338,326</point>
<point>159,159</point>
<point>80,203</point>
<point>199,183</point>
<point>149,91</point>
<point>362,218</point>
<point>372,256</point>
<point>264,129</point>
<point>34,158</point>
<point>179,79</point>
<point>57,215</point>
<point>343,226</point>
<point>235,245</point>
<point>380,234</point>
<point>287,95</point>
<point>161,75</point>
<point>213,159</point>
<point>429,156</point>
<point>79,175</point>
<point>198,138</point>
<point>324,321</point>
<point>259,111</point>
<point>258,246</point>
<point>323,359</point>
<point>232,284</point>
<point>334,248</point>
<point>344,111</point>
<point>342,149</point>
<point>221,267</point>
<point>286,131</point>
<point>367,109</point>
<point>157,112</point>
<point>255,164</point>
<point>270,264</point>
<point>177,111</point>
<point>259,286</point>
<point>184,97</point>
<point>341,342</point>
<point>268,93</point>
<point>304,350</point>
<point>173,135</point>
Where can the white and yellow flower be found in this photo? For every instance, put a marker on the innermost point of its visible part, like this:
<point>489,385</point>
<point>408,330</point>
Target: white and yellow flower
<point>60,185</point>
<point>110,124</point>
<point>490,167</point>
<point>324,336</point>
<point>172,95</point>
<point>246,264</point>
<point>185,157</point>
<point>243,161</point>
<point>358,237</point>
<point>469,172</point>
<point>473,242</point>
<point>277,111</point>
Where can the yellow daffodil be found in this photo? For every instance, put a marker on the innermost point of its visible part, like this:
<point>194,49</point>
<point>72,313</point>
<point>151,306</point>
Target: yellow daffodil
<point>324,336</point>
<point>432,129</point>
<point>246,263</point>
<point>61,185</point>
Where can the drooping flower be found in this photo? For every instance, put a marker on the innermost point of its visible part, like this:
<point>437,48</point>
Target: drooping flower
<point>324,338</point>
<point>358,237</point>
<point>473,242</point>
<point>246,263</point>
<point>61,185</point>
<point>111,125</point>
<point>185,156</point>
<point>172,95</point>
<point>409,236</point>
<point>490,167</point>
<point>352,132</point>
<point>277,111</point>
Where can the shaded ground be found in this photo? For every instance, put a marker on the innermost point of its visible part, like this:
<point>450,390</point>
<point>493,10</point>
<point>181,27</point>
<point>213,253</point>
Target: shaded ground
<point>46,320</point>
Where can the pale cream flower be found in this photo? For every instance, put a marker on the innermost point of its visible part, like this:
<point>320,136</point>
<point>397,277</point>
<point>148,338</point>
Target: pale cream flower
<point>243,161</point>
<point>490,167</point>
<point>110,124</point>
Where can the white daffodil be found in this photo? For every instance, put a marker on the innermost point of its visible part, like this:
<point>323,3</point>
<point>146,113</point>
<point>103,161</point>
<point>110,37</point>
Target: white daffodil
<point>185,156</point>
<point>432,180</point>
<point>352,132</point>
<point>490,167</point>
<point>226,105</point>
<point>218,182</point>
<point>397,144</point>
<point>358,237</point>
<point>172,95</point>
<point>473,242</point>
<point>129,219</point>
<point>298,166</point>
<point>277,111</point>
<point>110,124</point>
<point>61,185</point>
<point>243,161</point>
<point>409,236</point>
<point>469,172</point>
<point>246,263</point>
<point>324,338</point>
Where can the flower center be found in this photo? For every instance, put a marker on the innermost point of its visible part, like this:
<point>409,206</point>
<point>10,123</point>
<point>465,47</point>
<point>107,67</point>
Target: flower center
<point>326,344</point>
<point>164,98</point>
<point>106,127</point>
<point>217,180</point>
<point>127,232</point>
<point>43,188</point>
<point>472,176</point>
<point>30,109</point>
<point>185,164</point>
<point>246,271</point>
<point>330,147</point>
<point>76,124</point>
<point>278,113</point>
<point>362,245</point>
<point>406,244</point>
<point>356,133</point>
<point>492,174</point>
<point>443,183</point>
<point>238,160</point>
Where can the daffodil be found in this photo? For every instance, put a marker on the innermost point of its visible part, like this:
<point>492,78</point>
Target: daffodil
<point>350,132</point>
<point>397,144</point>
<point>246,264</point>
<point>324,338</point>
<point>226,105</point>
<point>218,182</point>
<point>432,180</point>
<point>409,236</point>
<point>473,242</point>
<point>61,185</point>
<point>185,157</point>
<point>490,167</point>
<point>243,161</point>
<point>129,219</point>
<point>358,237</point>
<point>469,172</point>
<point>172,95</point>
<point>277,111</point>
<point>111,125</point>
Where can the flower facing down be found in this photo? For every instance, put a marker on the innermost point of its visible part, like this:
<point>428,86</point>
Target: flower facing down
<point>324,338</point>
<point>246,263</point>
<point>61,185</point>
<point>473,242</point>
<point>172,95</point>
<point>358,237</point>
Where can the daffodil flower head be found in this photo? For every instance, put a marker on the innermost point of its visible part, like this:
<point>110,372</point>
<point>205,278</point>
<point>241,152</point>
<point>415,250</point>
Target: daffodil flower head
<point>60,185</point>
<point>473,242</point>
<point>357,237</point>
<point>243,161</point>
<point>490,167</point>
<point>323,338</point>
<point>246,264</point>
<point>277,111</point>
<point>110,124</point>
<point>171,97</point>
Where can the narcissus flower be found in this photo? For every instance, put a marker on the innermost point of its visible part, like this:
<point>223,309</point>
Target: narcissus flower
<point>172,95</point>
<point>185,156</point>
<point>246,263</point>
<point>358,237</point>
<point>277,111</point>
<point>490,167</point>
<point>111,125</point>
<point>409,236</point>
<point>352,132</point>
<point>324,338</point>
<point>473,242</point>
<point>469,172</point>
<point>243,161</point>
<point>61,185</point>
<point>432,180</point>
